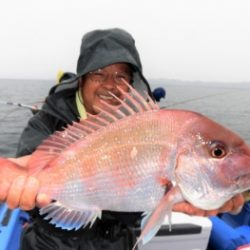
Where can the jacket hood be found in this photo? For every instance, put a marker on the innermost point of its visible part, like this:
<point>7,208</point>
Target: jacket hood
<point>101,48</point>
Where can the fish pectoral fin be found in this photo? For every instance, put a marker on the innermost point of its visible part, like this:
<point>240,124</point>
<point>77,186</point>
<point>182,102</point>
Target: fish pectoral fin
<point>70,218</point>
<point>152,222</point>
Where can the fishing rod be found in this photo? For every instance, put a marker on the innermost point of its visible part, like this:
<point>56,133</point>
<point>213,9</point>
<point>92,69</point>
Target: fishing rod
<point>160,93</point>
<point>21,105</point>
<point>194,99</point>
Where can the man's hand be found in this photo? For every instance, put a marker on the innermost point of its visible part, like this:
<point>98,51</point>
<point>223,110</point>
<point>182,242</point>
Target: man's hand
<point>232,206</point>
<point>18,189</point>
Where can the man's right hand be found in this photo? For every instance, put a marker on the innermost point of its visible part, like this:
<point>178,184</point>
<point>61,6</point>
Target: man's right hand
<point>18,189</point>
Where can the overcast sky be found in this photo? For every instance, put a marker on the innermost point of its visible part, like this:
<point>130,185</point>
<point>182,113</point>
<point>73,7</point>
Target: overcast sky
<point>177,39</point>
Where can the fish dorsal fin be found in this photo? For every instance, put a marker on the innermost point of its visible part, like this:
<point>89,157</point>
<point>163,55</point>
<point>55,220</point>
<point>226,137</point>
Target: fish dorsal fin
<point>54,145</point>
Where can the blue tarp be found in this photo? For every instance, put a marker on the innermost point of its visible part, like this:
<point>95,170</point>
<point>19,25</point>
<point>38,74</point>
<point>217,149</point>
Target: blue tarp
<point>230,231</point>
<point>11,224</point>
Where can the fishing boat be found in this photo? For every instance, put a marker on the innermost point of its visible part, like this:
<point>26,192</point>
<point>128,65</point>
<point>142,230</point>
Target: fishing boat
<point>11,225</point>
<point>225,232</point>
<point>192,232</point>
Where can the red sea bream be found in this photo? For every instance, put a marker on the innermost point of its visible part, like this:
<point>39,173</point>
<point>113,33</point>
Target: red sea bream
<point>124,158</point>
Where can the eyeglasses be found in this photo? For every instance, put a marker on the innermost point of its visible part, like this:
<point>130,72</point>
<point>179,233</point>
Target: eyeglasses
<point>102,76</point>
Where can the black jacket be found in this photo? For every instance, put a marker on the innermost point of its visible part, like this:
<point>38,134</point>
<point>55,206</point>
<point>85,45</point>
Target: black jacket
<point>58,111</point>
<point>99,48</point>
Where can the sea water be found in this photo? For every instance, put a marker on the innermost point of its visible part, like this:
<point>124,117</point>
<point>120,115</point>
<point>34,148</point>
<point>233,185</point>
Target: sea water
<point>228,105</point>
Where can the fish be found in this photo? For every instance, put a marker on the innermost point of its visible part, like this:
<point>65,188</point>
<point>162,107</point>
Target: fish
<point>136,157</point>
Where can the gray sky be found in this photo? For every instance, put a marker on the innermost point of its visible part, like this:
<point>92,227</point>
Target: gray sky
<point>177,39</point>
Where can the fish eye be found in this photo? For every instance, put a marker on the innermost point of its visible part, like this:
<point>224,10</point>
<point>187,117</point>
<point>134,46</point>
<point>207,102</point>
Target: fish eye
<point>218,149</point>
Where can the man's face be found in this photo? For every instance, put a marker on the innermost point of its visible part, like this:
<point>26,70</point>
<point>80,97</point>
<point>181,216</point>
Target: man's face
<point>96,85</point>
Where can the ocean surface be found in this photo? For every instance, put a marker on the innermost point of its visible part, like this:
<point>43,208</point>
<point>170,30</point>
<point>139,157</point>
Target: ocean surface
<point>227,104</point>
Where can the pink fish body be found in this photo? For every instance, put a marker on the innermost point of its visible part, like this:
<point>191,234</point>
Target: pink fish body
<point>116,164</point>
<point>125,158</point>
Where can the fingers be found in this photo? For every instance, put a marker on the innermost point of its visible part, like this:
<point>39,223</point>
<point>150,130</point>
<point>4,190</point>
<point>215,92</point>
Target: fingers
<point>209,213</point>
<point>228,206</point>
<point>4,187</point>
<point>237,203</point>
<point>42,200</point>
<point>233,206</point>
<point>29,193</point>
<point>187,208</point>
<point>23,193</point>
<point>15,192</point>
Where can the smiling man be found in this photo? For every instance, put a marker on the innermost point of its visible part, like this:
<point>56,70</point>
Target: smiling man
<point>106,57</point>
<point>96,85</point>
